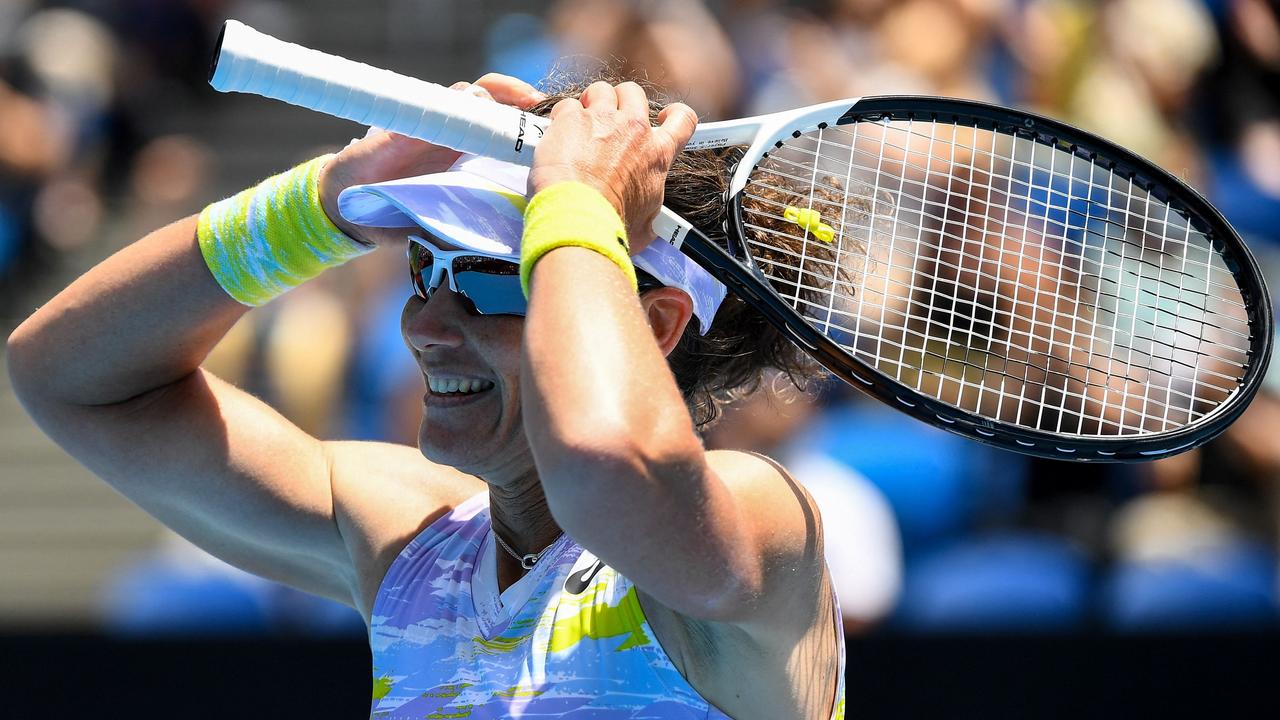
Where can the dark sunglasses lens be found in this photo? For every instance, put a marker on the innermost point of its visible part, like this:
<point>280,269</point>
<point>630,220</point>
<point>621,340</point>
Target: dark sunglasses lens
<point>493,293</point>
<point>420,266</point>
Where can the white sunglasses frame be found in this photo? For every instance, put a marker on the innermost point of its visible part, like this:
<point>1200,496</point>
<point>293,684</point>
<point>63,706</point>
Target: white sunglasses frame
<point>442,265</point>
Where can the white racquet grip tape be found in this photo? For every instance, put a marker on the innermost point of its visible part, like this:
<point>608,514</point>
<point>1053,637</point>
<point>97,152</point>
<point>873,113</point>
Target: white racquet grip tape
<point>252,62</point>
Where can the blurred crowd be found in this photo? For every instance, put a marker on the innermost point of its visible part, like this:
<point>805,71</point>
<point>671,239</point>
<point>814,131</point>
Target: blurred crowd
<point>924,531</point>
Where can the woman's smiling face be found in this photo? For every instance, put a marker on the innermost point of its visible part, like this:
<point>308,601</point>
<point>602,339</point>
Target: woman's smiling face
<point>471,363</point>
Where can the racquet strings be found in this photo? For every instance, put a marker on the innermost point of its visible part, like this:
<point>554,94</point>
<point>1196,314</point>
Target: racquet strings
<point>1005,276</point>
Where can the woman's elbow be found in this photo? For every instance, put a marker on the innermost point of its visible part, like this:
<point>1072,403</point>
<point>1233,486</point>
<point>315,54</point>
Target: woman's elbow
<point>22,359</point>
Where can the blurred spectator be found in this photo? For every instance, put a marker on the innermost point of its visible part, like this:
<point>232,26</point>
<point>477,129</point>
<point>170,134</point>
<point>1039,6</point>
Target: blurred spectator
<point>82,82</point>
<point>1240,104</point>
<point>171,177</point>
<point>850,48</point>
<point>1048,42</point>
<point>71,121</point>
<point>68,210</point>
<point>675,44</point>
<point>1082,60</point>
<point>35,141</point>
<point>1149,54</point>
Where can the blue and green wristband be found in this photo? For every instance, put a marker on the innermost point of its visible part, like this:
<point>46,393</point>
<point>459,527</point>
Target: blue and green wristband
<point>268,239</point>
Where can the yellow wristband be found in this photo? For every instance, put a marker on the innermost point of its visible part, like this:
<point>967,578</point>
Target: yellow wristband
<point>265,240</point>
<point>573,214</point>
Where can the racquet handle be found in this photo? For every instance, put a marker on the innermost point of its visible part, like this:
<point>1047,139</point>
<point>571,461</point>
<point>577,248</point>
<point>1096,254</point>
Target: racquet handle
<point>252,62</point>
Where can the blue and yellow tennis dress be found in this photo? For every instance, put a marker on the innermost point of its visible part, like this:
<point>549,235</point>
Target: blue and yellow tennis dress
<point>569,640</point>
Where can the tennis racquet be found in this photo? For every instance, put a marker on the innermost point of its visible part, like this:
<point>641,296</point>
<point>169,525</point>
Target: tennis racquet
<point>998,274</point>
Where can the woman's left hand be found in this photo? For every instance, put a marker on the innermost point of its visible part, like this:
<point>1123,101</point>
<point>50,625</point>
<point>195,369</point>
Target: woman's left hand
<point>605,140</point>
<point>381,156</point>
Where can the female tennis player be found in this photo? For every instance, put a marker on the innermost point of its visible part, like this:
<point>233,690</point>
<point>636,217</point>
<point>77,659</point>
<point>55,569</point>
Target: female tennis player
<point>560,544</point>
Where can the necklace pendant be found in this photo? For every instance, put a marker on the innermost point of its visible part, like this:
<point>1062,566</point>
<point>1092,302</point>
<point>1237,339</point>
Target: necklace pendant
<point>528,561</point>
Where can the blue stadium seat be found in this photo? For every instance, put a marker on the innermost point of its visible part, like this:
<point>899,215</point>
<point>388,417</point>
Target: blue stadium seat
<point>157,597</point>
<point>1010,582</point>
<point>1230,588</point>
<point>937,483</point>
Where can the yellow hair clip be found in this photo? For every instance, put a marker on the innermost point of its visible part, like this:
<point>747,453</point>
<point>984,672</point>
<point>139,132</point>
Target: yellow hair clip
<point>810,220</point>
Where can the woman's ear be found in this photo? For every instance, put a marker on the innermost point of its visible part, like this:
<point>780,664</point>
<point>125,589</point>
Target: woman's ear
<point>668,310</point>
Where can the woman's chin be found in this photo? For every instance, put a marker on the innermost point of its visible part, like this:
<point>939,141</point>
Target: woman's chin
<point>474,453</point>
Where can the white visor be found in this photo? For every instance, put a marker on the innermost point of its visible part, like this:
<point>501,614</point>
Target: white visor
<point>478,204</point>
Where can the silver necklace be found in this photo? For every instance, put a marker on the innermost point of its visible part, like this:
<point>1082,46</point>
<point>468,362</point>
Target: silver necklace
<point>526,561</point>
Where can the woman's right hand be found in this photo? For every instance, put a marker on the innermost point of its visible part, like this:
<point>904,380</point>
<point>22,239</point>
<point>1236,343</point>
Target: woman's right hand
<point>380,156</point>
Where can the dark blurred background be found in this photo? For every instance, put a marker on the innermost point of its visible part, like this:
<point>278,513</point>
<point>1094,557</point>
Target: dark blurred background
<point>973,582</point>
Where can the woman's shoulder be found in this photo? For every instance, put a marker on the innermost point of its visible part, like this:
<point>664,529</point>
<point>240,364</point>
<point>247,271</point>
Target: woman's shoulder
<point>463,526</point>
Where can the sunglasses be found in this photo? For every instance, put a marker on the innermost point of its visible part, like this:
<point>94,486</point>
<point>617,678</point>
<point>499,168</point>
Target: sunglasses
<point>487,285</point>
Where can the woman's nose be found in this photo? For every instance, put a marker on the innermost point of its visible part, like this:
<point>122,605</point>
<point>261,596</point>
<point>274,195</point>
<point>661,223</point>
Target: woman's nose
<point>435,321</point>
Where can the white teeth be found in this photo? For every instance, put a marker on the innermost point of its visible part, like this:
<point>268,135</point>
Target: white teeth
<point>456,385</point>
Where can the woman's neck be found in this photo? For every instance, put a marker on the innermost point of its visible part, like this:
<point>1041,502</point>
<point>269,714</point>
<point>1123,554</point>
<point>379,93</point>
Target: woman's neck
<point>523,521</point>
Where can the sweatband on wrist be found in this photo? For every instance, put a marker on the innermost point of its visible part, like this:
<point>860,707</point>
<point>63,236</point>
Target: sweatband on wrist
<point>577,215</point>
<point>270,238</point>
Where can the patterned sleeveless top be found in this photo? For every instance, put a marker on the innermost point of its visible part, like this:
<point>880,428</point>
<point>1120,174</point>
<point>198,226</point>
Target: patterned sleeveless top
<point>569,640</point>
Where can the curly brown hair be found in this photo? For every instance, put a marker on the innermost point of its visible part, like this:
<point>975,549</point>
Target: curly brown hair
<point>731,359</point>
